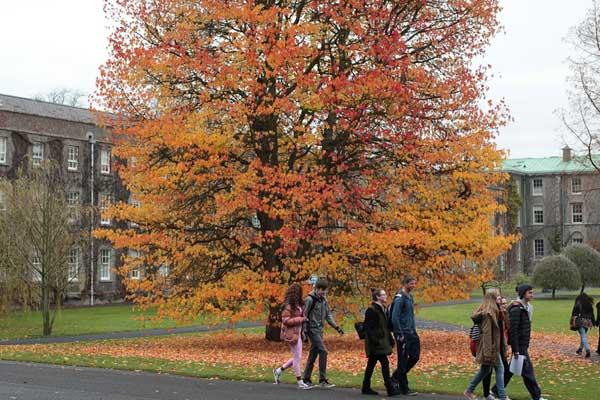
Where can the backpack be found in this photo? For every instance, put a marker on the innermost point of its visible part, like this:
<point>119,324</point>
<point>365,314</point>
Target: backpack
<point>306,324</point>
<point>474,338</point>
<point>390,312</point>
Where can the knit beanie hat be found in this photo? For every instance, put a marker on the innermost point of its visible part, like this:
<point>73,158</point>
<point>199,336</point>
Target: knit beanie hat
<point>524,288</point>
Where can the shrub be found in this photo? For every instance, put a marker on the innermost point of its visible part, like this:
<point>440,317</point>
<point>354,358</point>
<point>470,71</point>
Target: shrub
<point>556,272</point>
<point>587,260</point>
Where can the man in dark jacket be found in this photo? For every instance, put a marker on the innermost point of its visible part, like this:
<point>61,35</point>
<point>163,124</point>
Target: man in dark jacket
<point>405,333</point>
<point>316,310</point>
<point>519,337</point>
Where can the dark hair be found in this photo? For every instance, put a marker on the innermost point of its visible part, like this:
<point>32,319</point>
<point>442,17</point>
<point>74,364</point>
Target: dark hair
<point>408,279</point>
<point>322,283</point>
<point>585,299</point>
<point>375,292</point>
<point>293,296</point>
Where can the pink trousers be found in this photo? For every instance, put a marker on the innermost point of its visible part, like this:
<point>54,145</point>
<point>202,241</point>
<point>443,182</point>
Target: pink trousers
<point>296,349</point>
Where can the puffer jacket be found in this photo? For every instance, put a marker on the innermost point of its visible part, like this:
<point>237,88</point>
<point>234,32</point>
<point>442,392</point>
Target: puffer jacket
<point>291,324</point>
<point>519,333</point>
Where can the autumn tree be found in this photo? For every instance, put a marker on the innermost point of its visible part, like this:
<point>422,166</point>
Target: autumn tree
<point>269,140</point>
<point>35,238</point>
<point>556,272</point>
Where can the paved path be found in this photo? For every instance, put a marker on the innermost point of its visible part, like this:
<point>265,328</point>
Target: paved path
<point>23,381</point>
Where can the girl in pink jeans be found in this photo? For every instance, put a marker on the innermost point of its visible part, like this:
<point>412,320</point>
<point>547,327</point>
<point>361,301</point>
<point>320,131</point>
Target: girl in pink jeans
<point>292,318</point>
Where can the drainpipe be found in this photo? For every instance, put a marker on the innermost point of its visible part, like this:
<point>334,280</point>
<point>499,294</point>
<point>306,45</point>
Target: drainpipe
<point>92,141</point>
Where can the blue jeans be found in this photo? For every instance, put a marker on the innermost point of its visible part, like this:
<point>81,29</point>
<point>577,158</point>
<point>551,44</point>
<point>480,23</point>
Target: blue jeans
<point>584,344</point>
<point>486,370</point>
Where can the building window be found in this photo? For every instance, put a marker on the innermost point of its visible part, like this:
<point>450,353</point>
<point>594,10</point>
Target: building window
<point>518,250</point>
<point>105,161</point>
<point>576,185</point>
<point>36,262</point>
<point>538,215</point>
<point>73,204</point>
<point>2,201</point>
<point>135,274</point>
<point>577,213</point>
<point>105,201</point>
<point>537,188</point>
<point>105,264</point>
<point>538,248</point>
<point>72,158</point>
<point>73,264</point>
<point>37,153</point>
<point>519,218</point>
<point>3,147</point>
<point>135,203</point>
<point>577,238</point>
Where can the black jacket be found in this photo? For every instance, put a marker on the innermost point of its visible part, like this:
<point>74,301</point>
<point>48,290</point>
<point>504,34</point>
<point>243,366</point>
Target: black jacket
<point>519,334</point>
<point>378,340</point>
<point>583,310</point>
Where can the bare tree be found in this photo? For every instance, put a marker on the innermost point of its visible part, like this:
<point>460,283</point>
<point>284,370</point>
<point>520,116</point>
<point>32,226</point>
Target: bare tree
<point>66,96</point>
<point>583,117</point>
<point>36,236</point>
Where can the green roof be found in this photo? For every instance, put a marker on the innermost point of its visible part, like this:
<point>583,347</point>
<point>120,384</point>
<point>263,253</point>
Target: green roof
<point>549,165</point>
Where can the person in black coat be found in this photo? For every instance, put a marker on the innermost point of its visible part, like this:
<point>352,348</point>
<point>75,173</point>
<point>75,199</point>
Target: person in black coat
<point>582,319</point>
<point>378,343</point>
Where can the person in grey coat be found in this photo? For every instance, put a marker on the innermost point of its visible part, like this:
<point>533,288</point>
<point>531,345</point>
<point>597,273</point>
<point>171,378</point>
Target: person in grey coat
<point>317,312</point>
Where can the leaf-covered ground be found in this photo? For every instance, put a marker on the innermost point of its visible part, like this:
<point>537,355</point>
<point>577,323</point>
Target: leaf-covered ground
<point>445,365</point>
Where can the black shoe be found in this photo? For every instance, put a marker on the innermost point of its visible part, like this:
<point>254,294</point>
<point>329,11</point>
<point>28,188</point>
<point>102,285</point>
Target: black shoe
<point>393,390</point>
<point>368,390</point>
<point>307,381</point>
<point>579,351</point>
<point>587,354</point>
<point>409,392</point>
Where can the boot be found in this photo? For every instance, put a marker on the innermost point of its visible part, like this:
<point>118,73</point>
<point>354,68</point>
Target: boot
<point>392,388</point>
<point>366,389</point>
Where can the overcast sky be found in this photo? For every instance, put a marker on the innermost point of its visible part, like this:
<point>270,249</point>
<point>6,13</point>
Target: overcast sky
<point>60,43</point>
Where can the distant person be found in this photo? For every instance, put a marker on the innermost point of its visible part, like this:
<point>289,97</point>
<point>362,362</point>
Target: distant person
<point>378,343</point>
<point>316,310</point>
<point>490,346</point>
<point>598,324</point>
<point>503,320</point>
<point>520,312</point>
<point>582,319</point>
<point>292,319</point>
<point>405,332</point>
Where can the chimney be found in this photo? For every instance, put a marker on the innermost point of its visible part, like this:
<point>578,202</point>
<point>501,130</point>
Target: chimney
<point>566,154</point>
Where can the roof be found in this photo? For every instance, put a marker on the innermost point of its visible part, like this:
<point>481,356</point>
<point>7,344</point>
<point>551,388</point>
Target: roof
<point>549,165</point>
<point>42,108</point>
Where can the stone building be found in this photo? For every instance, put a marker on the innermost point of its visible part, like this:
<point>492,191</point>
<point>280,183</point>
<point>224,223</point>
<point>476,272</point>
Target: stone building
<point>560,205</point>
<point>37,130</point>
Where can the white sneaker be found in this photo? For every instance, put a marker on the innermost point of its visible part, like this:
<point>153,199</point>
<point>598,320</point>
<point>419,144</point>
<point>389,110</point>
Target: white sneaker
<point>277,375</point>
<point>304,386</point>
<point>490,397</point>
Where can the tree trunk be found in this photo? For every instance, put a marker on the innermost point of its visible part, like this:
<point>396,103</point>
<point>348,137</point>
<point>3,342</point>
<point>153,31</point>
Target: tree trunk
<point>582,289</point>
<point>46,310</point>
<point>553,293</point>
<point>273,327</point>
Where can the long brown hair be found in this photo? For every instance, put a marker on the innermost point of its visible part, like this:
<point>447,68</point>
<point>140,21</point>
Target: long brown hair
<point>489,305</point>
<point>293,296</point>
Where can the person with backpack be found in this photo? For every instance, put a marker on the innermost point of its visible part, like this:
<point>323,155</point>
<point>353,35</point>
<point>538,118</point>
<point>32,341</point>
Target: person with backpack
<point>378,343</point>
<point>292,318</point>
<point>582,319</point>
<point>489,348</point>
<point>408,344</point>
<point>316,311</point>
<point>503,320</point>
<point>520,312</point>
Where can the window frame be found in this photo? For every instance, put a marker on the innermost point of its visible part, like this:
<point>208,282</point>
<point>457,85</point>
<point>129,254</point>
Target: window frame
<point>578,239</point>
<point>580,185</point>
<point>72,164</point>
<point>74,265</point>
<point>536,255</point>
<point>533,214</point>
<point>537,191</point>
<point>37,161</point>
<point>104,202</point>
<point>105,163</point>
<point>105,267</point>
<point>578,214</point>
<point>3,150</point>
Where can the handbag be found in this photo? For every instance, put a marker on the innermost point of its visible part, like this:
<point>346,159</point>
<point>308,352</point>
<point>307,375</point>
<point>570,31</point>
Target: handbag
<point>359,327</point>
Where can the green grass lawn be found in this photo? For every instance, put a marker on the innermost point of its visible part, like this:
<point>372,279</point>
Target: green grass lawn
<point>77,321</point>
<point>572,381</point>
<point>548,315</point>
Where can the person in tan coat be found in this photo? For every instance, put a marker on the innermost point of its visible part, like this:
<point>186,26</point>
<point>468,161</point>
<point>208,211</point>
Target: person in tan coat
<point>490,345</point>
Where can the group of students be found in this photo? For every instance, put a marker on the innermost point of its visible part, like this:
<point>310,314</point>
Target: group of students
<point>500,325</point>
<point>384,328</point>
